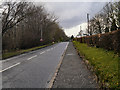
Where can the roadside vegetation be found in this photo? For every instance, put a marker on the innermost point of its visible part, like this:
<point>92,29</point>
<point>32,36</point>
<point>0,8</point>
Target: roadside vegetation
<point>105,63</point>
<point>6,55</point>
<point>106,20</point>
<point>26,25</point>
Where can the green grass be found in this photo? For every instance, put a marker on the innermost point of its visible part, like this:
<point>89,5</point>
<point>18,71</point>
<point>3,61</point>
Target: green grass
<point>18,52</point>
<point>105,63</point>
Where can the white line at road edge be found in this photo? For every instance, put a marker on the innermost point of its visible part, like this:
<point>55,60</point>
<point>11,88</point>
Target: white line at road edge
<point>50,84</point>
<point>32,57</point>
<point>10,67</point>
<point>66,46</point>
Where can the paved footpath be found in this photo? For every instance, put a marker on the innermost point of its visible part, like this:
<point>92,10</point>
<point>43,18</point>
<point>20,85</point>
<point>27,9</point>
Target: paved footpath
<point>73,72</point>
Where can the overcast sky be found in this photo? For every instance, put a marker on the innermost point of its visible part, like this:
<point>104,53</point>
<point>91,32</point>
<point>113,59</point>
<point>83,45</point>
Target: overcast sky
<point>73,14</point>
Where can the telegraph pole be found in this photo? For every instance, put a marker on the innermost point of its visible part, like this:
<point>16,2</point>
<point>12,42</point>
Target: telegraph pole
<point>88,22</point>
<point>41,35</point>
<point>80,33</point>
<point>41,29</point>
<point>80,28</point>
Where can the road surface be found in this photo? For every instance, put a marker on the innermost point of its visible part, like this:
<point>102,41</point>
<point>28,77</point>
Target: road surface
<point>34,69</point>
<point>73,72</point>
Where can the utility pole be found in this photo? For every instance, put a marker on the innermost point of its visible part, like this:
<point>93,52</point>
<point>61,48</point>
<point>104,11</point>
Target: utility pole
<point>41,29</point>
<point>88,22</point>
<point>80,33</point>
<point>41,32</point>
<point>0,36</point>
<point>80,28</point>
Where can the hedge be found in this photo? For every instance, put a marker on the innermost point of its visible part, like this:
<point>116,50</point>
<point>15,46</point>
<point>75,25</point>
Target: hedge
<point>108,41</point>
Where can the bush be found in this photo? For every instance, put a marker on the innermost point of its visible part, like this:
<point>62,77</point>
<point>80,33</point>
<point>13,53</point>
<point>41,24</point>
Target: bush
<point>95,40</point>
<point>108,41</point>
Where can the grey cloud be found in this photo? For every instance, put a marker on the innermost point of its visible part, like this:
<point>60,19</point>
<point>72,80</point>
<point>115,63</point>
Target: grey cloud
<point>72,22</point>
<point>72,13</point>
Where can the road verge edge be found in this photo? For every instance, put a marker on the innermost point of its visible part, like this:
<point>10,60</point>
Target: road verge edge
<point>57,69</point>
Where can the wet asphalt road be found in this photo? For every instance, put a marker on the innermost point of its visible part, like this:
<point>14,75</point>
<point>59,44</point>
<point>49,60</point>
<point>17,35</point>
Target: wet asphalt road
<point>34,69</point>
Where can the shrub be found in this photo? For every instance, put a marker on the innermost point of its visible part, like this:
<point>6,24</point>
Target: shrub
<point>116,41</point>
<point>108,41</point>
<point>95,40</point>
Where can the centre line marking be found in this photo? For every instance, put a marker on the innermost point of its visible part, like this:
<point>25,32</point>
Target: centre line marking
<point>48,50</point>
<point>32,57</point>
<point>42,52</point>
<point>51,48</point>
<point>10,67</point>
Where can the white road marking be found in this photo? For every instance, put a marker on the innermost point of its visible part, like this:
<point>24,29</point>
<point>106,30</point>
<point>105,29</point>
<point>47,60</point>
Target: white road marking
<point>50,84</point>
<point>10,67</point>
<point>42,52</point>
<point>71,54</point>
<point>51,48</point>
<point>48,50</point>
<point>32,57</point>
<point>66,45</point>
<point>12,58</point>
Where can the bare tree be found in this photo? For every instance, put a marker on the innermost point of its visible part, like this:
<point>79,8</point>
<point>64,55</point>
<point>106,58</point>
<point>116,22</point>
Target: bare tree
<point>23,23</point>
<point>108,19</point>
<point>14,12</point>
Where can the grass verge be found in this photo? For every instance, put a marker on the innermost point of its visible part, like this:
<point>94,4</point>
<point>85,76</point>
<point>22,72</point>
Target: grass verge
<point>105,63</point>
<point>15,53</point>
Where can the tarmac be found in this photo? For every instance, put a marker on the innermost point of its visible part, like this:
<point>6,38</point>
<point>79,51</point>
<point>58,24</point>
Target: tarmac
<point>73,72</point>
